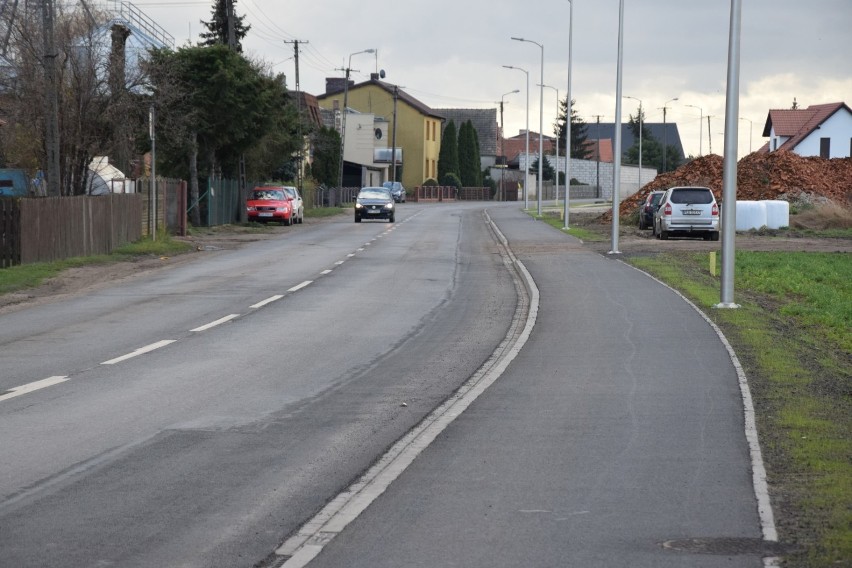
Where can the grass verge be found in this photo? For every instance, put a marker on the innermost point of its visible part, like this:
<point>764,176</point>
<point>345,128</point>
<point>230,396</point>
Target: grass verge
<point>792,334</point>
<point>26,276</point>
<point>555,220</point>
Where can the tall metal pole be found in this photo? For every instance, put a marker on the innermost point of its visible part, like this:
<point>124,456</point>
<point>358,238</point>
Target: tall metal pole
<point>665,133</point>
<point>729,174</point>
<point>700,127</point>
<point>301,156</point>
<point>540,122</point>
<point>568,119</point>
<point>527,155</point>
<point>343,117</point>
<point>616,150</point>
<point>393,136</point>
<point>503,145</point>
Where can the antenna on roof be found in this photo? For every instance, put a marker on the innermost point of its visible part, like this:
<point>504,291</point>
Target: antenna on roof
<point>795,104</point>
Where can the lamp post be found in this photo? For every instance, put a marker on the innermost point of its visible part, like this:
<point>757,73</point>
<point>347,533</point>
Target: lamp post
<point>568,119</point>
<point>540,120</point>
<point>700,127</point>
<point>616,145</point>
<point>665,133</point>
<point>750,128</point>
<point>527,157</point>
<point>640,137</point>
<point>557,140</point>
<point>343,118</point>
<point>503,141</point>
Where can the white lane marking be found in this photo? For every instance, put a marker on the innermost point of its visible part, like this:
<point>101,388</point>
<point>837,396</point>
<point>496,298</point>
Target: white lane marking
<point>219,321</point>
<point>309,541</point>
<point>326,271</point>
<point>140,351</point>
<point>339,262</point>
<point>361,249</point>
<point>34,386</point>
<point>300,286</point>
<point>267,301</point>
<point>351,254</point>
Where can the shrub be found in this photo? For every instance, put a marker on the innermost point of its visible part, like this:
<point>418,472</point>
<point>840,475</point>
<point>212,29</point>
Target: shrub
<point>451,179</point>
<point>430,183</point>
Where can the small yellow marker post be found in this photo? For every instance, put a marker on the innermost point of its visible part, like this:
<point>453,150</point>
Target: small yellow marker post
<point>713,263</point>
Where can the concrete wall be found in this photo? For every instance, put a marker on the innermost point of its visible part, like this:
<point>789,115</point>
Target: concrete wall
<point>601,173</point>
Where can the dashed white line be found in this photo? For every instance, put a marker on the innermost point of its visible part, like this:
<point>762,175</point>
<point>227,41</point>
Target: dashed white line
<point>34,386</point>
<point>361,249</point>
<point>300,286</point>
<point>327,271</point>
<point>267,301</point>
<point>351,254</point>
<point>219,321</point>
<point>339,262</point>
<point>140,351</point>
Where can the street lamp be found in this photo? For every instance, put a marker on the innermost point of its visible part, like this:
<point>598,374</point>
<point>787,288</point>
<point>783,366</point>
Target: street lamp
<point>557,140</point>
<point>527,158</point>
<point>503,141</point>
<point>568,118</point>
<point>343,118</point>
<point>750,128</point>
<point>540,120</point>
<point>700,127</point>
<point>665,133</point>
<point>640,137</point>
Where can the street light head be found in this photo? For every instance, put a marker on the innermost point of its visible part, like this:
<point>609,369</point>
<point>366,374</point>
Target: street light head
<point>369,51</point>
<point>516,91</point>
<point>518,39</point>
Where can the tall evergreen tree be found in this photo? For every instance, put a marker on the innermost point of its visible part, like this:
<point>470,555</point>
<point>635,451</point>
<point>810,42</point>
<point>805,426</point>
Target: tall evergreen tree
<point>217,27</point>
<point>448,157</point>
<point>579,131</point>
<point>469,162</point>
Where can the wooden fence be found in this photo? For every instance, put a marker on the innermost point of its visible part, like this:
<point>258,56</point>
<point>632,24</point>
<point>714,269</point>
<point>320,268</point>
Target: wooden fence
<point>54,228</point>
<point>435,193</point>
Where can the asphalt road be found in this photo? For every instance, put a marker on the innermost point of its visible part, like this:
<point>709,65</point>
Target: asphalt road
<point>194,418</point>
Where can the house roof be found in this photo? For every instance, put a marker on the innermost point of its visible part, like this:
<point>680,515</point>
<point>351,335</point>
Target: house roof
<point>484,121</point>
<point>797,124</point>
<point>309,106</point>
<point>403,96</point>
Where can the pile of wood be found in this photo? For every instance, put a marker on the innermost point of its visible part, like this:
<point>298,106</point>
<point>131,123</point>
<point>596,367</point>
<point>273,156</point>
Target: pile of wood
<point>778,175</point>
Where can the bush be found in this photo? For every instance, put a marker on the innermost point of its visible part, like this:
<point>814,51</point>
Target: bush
<point>430,183</point>
<point>451,179</point>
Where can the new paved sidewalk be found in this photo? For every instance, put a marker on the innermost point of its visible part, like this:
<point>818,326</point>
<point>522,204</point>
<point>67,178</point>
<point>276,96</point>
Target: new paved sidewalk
<point>618,428</point>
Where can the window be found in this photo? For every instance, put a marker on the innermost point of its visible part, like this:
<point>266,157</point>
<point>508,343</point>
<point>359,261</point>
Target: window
<point>825,148</point>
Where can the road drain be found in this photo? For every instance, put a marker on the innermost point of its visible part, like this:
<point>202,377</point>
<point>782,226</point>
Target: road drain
<point>728,546</point>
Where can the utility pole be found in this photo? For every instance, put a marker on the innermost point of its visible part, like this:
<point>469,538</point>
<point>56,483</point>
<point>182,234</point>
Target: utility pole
<point>597,155</point>
<point>709,137</point>
<point>232,32</point>
<point>232,45</point>
<point>300,169</point>
<point>393,136</point>
<point>51,101</point>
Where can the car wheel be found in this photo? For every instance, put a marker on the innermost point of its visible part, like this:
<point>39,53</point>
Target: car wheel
<point>390,219</point>
<point>642,226</point>
<point>664,235</point>
<point>288,221</point>
<point>357,219</point>
<point>714,236</point>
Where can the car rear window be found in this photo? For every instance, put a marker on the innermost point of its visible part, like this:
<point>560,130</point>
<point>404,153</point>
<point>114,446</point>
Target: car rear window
<point>656,198</point>
<point>692,195</point>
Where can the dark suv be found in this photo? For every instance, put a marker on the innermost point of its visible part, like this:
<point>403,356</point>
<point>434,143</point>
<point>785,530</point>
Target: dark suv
<point>647,209</point>
<point>687,211</point>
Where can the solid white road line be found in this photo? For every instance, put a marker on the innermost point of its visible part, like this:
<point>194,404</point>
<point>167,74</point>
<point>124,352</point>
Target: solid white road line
<point>140,351</point>
<point>332,519</point>
<point>300,286</point>
<point>34,386</point>
<point>267,301</point>
<point>219,321</point>
<point>324,272</point>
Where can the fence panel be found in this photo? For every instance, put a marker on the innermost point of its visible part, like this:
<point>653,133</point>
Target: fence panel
<point>54,228</point>
<point>10,232</point>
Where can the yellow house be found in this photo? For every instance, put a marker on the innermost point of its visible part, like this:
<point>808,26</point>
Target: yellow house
<point>418,127</point>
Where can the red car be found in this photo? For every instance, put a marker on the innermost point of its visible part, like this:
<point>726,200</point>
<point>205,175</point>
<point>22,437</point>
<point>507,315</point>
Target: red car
<point>269,204</point>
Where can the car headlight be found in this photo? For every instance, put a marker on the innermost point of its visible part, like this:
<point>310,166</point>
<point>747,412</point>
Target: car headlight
<point>282,209</point>
<point>389,205</point>
<point>358,205</point>
<point>251,208</point>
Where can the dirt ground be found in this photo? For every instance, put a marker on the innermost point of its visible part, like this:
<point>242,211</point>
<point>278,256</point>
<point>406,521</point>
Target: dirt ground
<point>632,241</point>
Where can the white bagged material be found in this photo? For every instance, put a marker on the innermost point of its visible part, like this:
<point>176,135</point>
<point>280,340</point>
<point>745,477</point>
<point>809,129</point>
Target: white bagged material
<point>777,214</point>
<point>751,215</point>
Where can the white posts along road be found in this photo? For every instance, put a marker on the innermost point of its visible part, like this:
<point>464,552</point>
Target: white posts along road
<point>249,409</point>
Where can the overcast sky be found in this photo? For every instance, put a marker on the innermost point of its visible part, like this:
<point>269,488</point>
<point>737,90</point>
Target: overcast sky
<point>450,53</point>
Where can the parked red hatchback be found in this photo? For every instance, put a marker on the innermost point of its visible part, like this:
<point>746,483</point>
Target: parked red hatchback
<point>269,204</point>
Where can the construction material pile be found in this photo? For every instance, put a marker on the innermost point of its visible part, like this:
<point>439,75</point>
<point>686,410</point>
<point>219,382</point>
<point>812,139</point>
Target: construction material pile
<point>777,175</point>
